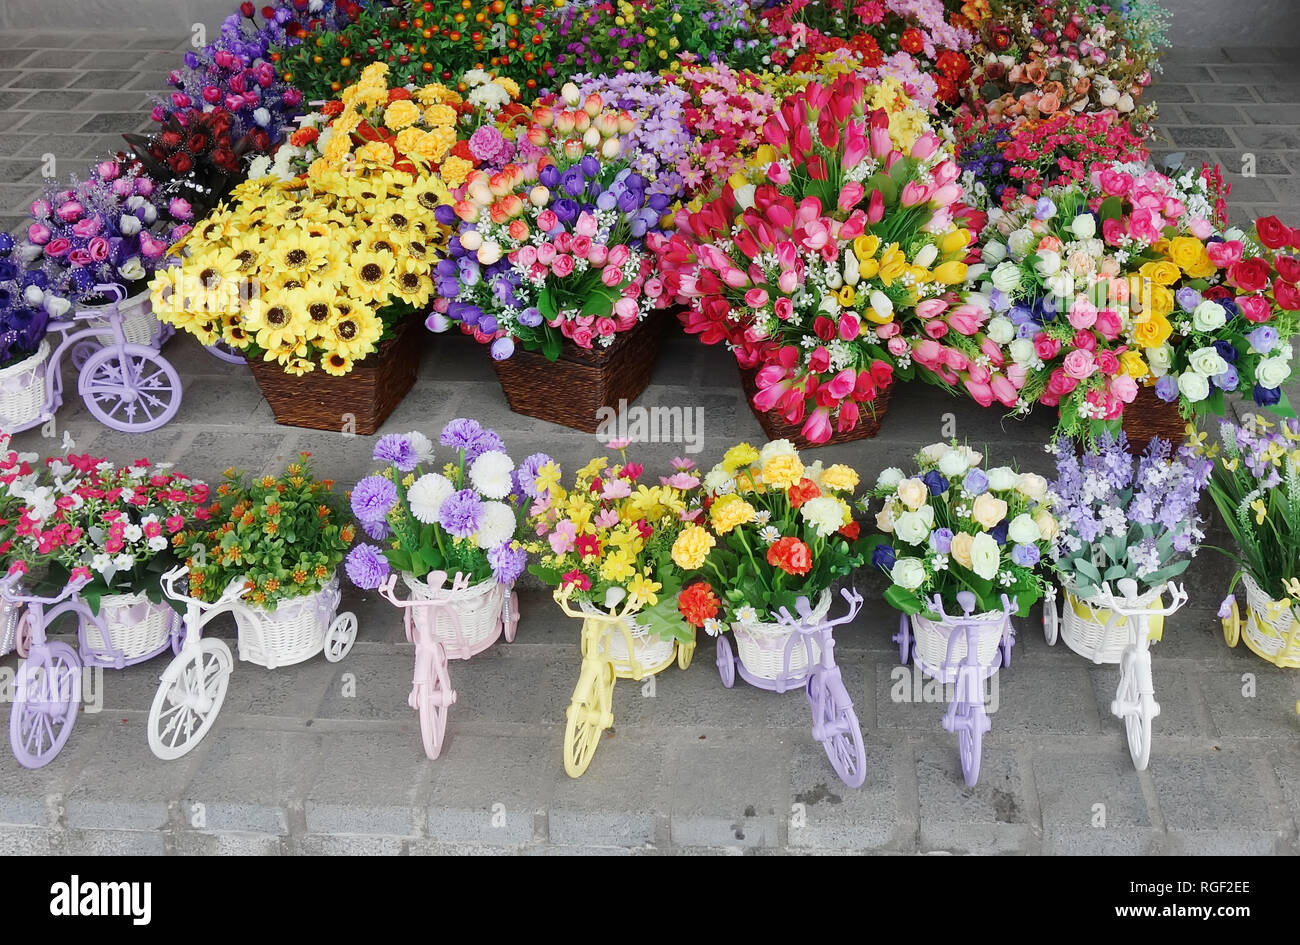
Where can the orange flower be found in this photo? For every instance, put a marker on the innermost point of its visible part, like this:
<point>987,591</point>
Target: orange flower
<point>698,603</point>
<point>802,491</point>
<point>790,555</point>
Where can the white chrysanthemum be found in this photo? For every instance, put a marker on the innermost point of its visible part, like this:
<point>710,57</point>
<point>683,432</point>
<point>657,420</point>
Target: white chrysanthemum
<point>889,478</point>
<point>423,446</point>
<point>769,533</point>
<point>490,474</point>
<point>718,481</point>
<point>776,448</point>
<point>426,496</point>
<point>824,513</point>
<point>498,525</point>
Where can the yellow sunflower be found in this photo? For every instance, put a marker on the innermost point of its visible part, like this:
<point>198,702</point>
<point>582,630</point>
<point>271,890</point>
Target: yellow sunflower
<point>354,335</point>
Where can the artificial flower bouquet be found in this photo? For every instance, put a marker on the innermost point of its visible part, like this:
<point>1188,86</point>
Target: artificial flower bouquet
<point>200,155</point>
<point>954,526</point>
<point>1120,516</point>
<point>810,276</point>
<point>774,530</point>
<point>613,537</point>
<point>281,537</point>
<point>463,518</point>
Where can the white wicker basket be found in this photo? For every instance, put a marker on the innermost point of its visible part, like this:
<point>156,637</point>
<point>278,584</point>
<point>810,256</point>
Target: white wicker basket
<point>932,643</point>
<point>761,646</point>
<point>1268,626</point>
<point>136,626</point>
<point>1084,626</point>
<point>22,390</point>
<point>478,607</point>
<point>139,324</point>
<point>648,649</point>
<point>291,632</point>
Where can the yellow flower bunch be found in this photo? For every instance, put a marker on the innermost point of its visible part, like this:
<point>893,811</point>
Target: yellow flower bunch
<point>306,272</point>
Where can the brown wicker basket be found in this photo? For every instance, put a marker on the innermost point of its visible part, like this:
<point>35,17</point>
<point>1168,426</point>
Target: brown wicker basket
<point>778,428</point>
<point>571,390</point>
<point>367,394</point>
<point>1149,417</point>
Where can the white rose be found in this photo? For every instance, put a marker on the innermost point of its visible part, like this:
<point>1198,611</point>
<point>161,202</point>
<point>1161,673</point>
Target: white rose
<point>1125,103</point>
<point>1003,478</point>
<point>889,478</point>
<point>262,116</point>
<point>129,224</point>
<point>132,269</point>
<point>1207,361</point>
<point>908,573</point>
<point>913,527</point>
<point>926,257</point>
<point>953,464</point>
<point>33,295</point>
<point>1048,263</point>
<point>934,452</point>
<point>1108,96</point>
<point>489,253</point>
<point>985,556</point>
<point>1022,351</point>
<point>1271,372</point>
<point>1032,486</point>
<point>994,253</point>
<point>1023,530</point>
<point>1021,243</point>
<point>1001,330</point>
<point>1084,226</point>
<point>1159,359</point>
<point>1195,387</point>
<point>1006,277</point>
<point>1234,233</point>
<point>57,307</point>
<point>1061,287</point>
<point>1208,316</point>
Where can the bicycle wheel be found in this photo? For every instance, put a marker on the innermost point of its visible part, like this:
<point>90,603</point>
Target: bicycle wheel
<point>904,639</point>
<point>510,617</point>
<point>585,721</point>
<point>726,662</point>
<point>970,741</point>
<point>130,388</point>
<point>340,636</point>
<point>1232,626</point>
<point>684,653</point>
<point>432,702</point>
<point>843,735</point>
<point>189,697</point>
<point>1137,726</point>
<point>47,694</point>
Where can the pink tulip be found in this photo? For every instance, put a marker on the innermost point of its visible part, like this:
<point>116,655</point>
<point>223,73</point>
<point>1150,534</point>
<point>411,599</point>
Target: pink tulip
<point>841,385</point>
<point>848,418</point>
<point>945,195</point>
<point>39,234</point>
<point>756,298</point>
<point>849,326</point>
<point>1004,391</point>
<point>880,143</point>
<point>851,195</point>
<point>788,281</point>
<point>876,207</point>
<point>735,278</point>
<point>817,428</point>
<point>931,308</point>
<point>925,146</point>
<point>982,393</point>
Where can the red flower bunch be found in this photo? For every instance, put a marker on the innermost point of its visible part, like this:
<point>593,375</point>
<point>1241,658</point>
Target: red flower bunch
<point>790,555</point>
<point>698,603</point>
<point>200,147</point>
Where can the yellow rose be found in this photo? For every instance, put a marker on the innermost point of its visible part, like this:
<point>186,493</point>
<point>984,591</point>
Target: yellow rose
<point>1132,364</point>
<point>839,478</point>
<point>1187,252</point>
<point>730,511</point>
<point>950,273</point>
<point>988,510</point>
<point>1046,523</point>
<point>960,548</point>
<point>782,471</point>
<point>692,547</point>
<point>1161,272</point>
<point>913,493</point>
<point>1151,331</point>
<point>401,114</point>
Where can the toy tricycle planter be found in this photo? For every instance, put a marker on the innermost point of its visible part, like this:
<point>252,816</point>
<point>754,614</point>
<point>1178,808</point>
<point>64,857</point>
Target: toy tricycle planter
<point>1271,628</point>
<point>457,622</point>
<point>961,652</point>
<point>614,647</point>
<point>799,652</point>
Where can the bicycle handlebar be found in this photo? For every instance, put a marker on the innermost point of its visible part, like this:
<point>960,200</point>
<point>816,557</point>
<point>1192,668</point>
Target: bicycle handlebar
<point>1124,606</point>
<point>7,590</point>
<point>234,591</point>
<point>852,597</point>
<point>613,615</point>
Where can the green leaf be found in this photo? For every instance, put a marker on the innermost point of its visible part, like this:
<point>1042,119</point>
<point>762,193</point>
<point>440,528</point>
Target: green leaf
<point>903,600</point>
<point>1112,208</point>
<point>546,304</point>
<point>551,344</point>
<point>601,301</point>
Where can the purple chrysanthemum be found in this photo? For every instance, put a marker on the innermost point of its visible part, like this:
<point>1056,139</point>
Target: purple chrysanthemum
<point>377,531</point>
<point>372,498</point>
<point>507,563</point>
<point>526,473</point>
<point>461,513</point>
<point>397,449</point>
<point>461,433</point>
<point>366,566</point>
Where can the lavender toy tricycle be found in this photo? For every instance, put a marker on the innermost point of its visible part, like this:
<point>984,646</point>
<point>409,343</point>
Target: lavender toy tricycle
<point>835,723</point>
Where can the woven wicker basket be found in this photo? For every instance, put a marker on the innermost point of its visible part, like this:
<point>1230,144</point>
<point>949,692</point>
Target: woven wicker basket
<point>289,633</point>
<point>932,643</point>
<point>761,646</point>
<point>1084,626</point>
<point>1149,417</point>
<point>367,394</point>
<point>1271,627</point>
<point>139,324</point>
<point>136,627</point>
<point>572,390</point>
<point>477,607</point>
<point>22,390</point>
<point>650,651</point>
<point>776,427</point>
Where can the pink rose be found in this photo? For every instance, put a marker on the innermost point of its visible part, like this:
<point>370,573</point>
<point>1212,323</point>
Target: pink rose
<point>1046,348</point>
<point>526,256</point>
<point>897,345</point>
<point>756,298</point>
<point>598,255</point>
<point>86,228</point>
<point>1115,183</point>
<point>784,309</point>
<point>618,255</point>
<point>38,234</point>
<point>606,326</point>
<point>546,253</point>
<point>563,265</point>
<point>580,246</point>
<point>1083,314</point>
<point>1107,363</point>
<point>1254,308</point>
<point>582,336</point>
<point>1079,364</point>
<point>563,242</point>
<point>625,308</point>
<point>57,247</point>
<point>1226,253</point>
<point>1085,341</point>
<point>547,221</point>
<point>1124,388</point>
<point>1061,384</point>
<point>1201,228</point>
<point>71,211</point>
<point>1107,324</point>
<point>611,277</point>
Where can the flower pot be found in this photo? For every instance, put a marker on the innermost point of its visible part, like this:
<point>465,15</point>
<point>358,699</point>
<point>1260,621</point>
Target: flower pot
<point>290,632</point>
<point>137,629</point>
<point>22,391</point>
<point>650,653</point>
<point>1087,628</point>
<point>359,401</point>
<point>1271,629</point>
<point>478,608</point>
<point>777,427</point>
<point>932,643</point>
<point>762,646</point>
<point>139,324</point>
<point>572,390</point>
<point>1149,417</point>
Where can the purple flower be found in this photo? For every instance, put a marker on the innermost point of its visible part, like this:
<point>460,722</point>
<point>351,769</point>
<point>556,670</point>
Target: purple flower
<point>1188,298</point>
<point>883,557</point>
<point>378,531</point>
<point>367,568</point>
<point>398,450</point>
<point>372,498</point>
<point>941,540</point>
<point>976,483</point>
<point>1263,339</point>
<point>507,563</point>
<point>526,473</point>
<point>1228,380</point>
<point>1025,555</point>
<point>461,513</point>
<point>502,348</point>
<point>461,434</point>
<point>1044,209</point>
<point>935,482</point>
<point>1167,389</point>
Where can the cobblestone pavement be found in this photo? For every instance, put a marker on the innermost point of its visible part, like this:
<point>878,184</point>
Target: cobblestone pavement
<point>323,758</point>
